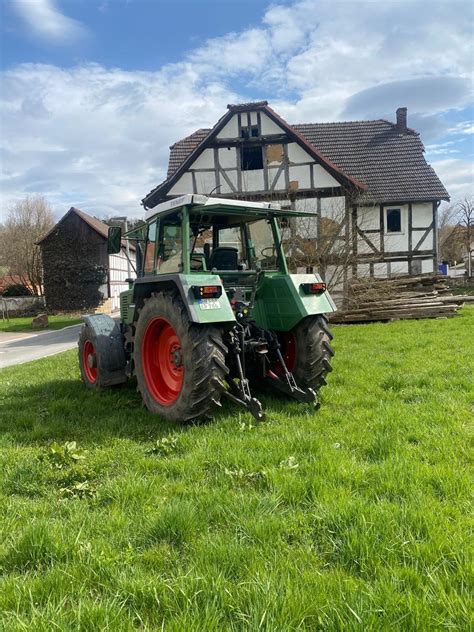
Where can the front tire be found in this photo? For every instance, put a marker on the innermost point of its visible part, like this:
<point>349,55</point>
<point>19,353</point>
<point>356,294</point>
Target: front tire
<point>180,366</point>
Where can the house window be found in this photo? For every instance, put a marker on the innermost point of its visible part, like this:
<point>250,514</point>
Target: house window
<point>251,158</point>
<point>394,220</point>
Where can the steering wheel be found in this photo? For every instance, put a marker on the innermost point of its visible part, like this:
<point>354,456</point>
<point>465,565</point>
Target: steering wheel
<point>269,256</point>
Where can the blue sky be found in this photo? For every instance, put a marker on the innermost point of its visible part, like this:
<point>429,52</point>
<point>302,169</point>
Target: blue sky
<point>93,92</point>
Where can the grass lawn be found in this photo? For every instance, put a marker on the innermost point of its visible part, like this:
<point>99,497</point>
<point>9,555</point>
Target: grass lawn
<point>24,323</point>
<point>351,518</point>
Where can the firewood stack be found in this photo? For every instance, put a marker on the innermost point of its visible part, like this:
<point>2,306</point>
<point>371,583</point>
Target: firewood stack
<point>399,298</point>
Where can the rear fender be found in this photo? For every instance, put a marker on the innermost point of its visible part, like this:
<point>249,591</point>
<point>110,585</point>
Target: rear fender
<point>202,311</point>
<point>281,304</point>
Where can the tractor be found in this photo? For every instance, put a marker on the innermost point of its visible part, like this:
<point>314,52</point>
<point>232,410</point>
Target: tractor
<point>213,312</point>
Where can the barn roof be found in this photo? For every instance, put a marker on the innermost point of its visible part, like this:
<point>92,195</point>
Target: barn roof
<point>96,224</point>
<point>390,163</point>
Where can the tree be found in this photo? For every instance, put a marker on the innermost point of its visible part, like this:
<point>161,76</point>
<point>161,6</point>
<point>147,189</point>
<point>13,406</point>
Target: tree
<point>27,221</point>
<point>465,210</point>
<point>449,235</point>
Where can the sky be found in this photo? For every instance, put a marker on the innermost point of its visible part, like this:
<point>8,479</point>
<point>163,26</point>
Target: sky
<point>93,92</point>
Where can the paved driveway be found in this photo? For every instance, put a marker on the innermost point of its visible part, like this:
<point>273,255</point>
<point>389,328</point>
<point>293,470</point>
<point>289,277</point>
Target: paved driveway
<point>19,348</point>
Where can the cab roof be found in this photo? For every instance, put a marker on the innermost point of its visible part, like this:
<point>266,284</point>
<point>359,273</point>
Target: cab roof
<point>222,206</point>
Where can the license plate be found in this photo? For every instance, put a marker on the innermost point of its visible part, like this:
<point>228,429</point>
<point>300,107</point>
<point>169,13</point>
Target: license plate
<point>209,303</point>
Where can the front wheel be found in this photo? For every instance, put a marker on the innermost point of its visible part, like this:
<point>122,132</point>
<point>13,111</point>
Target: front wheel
<point>307,351</point>
<point>180,366</point>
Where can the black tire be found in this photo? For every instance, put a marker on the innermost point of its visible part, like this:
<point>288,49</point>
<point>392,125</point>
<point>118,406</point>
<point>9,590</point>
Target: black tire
<point>101,353</point>
<point>202,357</point>
<point>313,352</point>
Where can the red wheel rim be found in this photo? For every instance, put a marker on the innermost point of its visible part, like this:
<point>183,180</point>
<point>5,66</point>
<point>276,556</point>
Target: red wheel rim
<point>89,361</point>
<point>162,361</point>
<point>288,351</point>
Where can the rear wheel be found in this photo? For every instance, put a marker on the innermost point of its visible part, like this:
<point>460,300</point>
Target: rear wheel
<point>307,352</point>
<point>180,366</point>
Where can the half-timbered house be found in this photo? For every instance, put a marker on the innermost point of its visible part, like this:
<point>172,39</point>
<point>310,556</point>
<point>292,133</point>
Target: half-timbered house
<point>368,180</point>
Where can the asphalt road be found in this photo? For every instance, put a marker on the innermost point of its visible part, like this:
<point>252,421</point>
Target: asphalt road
<point>26,347</point>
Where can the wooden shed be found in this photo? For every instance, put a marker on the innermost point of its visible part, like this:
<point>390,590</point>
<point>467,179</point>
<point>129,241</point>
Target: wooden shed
<point>78,273</point>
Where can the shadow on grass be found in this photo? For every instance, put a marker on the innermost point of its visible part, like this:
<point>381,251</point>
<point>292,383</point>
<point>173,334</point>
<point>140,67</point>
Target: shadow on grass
<point>63,410</point>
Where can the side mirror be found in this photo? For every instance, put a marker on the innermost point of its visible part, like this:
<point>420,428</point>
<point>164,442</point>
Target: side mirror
<point>114,240</point>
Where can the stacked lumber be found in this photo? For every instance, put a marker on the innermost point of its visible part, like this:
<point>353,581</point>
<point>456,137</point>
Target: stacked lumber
<point>399,298</point>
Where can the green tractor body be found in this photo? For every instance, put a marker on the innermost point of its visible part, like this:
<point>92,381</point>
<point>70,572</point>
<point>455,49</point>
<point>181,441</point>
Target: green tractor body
<point>213,311</point>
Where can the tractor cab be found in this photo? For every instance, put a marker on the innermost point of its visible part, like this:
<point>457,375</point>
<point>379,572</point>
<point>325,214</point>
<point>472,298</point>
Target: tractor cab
<point>212,234</point>
<point>214,311</point>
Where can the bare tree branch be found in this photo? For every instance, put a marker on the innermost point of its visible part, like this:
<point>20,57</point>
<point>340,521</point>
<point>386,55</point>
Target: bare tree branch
<point>27,221</point>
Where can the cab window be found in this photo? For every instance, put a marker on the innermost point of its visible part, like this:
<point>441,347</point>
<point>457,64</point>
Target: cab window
<point>149,264</point>
<point>170,253</point>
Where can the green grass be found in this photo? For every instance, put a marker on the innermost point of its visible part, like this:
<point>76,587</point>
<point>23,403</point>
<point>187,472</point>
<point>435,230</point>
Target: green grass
<point>22,324</point>
<point>351,518</point>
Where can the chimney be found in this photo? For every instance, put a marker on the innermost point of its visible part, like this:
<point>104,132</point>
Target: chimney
<point>402,120</point>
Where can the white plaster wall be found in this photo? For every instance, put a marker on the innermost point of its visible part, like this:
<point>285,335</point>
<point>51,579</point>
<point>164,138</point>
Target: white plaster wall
<point>309,205</point>
<point>230,129</point>
<point>268,126</point>
<point>252,180</point>
<point>205,160</point>
<point>363,270</point>
<point>364,248</point>
<point>184,185</point>
<point>395,242</point>
<point>333,207</point>
<point>399,267</point>
<point>427,266</point>
<point>205,182</point>
<point>280,183</point>
<point>302,175</point>
<point>232,175</point>
<point>297,154</point>
<point>380,269</point>
<point>422,214</point>
<point>323,179</point>
<point>368,217</point>
<point>228,157</point>
<point>427,243</point>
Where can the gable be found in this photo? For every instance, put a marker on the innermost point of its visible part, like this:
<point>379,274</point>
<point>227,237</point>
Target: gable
<point>249,151</point>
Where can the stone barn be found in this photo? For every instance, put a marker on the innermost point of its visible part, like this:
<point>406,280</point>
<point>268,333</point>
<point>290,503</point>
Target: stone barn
<point>78,273</point>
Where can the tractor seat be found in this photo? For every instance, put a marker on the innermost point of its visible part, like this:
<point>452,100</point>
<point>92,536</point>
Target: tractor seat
<point>224,258</point>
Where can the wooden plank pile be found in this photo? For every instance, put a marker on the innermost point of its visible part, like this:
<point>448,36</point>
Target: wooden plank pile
<point>399,298</point>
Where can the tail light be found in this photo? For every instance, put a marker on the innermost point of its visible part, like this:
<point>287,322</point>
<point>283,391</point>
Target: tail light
<point>206,291</point>
<point>314,288</point>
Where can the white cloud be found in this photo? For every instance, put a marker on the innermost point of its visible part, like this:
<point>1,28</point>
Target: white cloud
<point>99,137</point>
<point>94,137</point>
<point>457,175</point>
<point>46,21</point>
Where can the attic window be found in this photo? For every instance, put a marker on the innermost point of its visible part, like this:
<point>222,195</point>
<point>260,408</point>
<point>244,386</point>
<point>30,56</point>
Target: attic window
<point>394,220</point>
<point>249,132</point>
